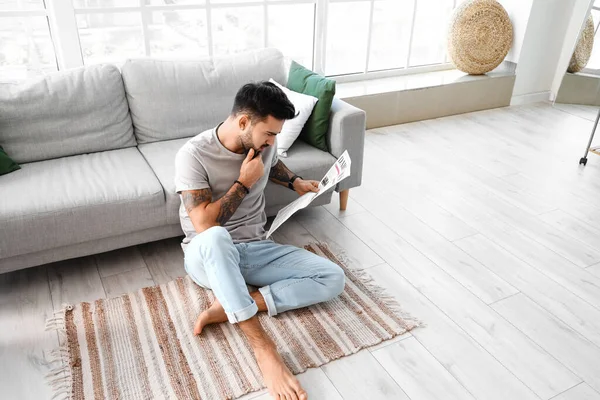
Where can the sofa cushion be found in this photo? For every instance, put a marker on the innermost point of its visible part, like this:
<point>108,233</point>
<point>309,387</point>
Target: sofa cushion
<point>303,80</point>
<point>76,199</point>
<point>161,158</point>
<point>178,99</point>
<point>304,160</point>
<point>291,128</point>
<point>6,163</point>
<point>73,112</point>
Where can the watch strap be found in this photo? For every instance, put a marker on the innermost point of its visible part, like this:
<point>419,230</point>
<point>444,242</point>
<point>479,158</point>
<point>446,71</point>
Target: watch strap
<point>291,181</point>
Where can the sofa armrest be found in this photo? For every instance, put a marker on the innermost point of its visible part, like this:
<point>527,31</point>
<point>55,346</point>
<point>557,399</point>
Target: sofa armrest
<point>347,132</point>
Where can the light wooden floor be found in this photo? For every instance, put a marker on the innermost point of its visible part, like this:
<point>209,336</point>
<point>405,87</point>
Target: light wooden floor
<point>580,110</point>
<point>483,225</point>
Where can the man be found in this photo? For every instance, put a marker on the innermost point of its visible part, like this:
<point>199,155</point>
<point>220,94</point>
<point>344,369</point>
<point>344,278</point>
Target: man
<point>220,175</point>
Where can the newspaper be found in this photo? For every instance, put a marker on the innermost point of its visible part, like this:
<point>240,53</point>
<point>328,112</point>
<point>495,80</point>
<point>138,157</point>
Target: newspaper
<point>338,171</point>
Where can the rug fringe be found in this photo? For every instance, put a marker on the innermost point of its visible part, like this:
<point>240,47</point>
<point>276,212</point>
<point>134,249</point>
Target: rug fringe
<point>59,378</point>
<point>388,300</point>
<point>62,394</point>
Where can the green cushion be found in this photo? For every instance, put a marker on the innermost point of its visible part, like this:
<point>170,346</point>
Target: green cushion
<point>6,164</point>
<point>303,80</point>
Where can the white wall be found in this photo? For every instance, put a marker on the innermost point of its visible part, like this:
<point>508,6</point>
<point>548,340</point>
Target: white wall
<point>518,11</point>
<point>545,35</point>
<point>542,46</point>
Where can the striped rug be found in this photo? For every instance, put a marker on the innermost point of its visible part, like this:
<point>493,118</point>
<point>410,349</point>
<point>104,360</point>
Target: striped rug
<point>140,345</point>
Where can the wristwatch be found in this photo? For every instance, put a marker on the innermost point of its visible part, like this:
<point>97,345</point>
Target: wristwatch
<point>291,182</point>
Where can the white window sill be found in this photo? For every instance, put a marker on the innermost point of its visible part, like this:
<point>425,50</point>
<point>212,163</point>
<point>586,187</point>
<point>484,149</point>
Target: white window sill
<point>414,81</point>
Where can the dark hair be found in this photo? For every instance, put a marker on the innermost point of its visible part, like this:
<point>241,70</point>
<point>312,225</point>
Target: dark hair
<point>259,100</point>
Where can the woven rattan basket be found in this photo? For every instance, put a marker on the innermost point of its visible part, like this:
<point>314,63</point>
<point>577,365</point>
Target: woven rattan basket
<point>584,47</point>
<point>479,36</point>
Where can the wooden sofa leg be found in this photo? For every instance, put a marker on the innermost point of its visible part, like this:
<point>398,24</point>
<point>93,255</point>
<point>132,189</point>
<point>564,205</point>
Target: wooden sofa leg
<point>344,199</point>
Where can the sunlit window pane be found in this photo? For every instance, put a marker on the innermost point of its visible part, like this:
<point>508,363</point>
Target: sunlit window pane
<point>291,30</point>
<point>237,29</point>
<point>172,2</point>
<point>596,17</point>
<point>430,32</point>
<point>110,37</point>
<point>26,49</point>
<point>178,34</point>
<point>233,1</point>
<point>390,34</point>
<point>15,5</point>
<point>347,35</point>
<point>104,3</point>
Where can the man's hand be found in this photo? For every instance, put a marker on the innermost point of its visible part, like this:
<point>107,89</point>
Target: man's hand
<point>252,169</point>
<point>302,187</point>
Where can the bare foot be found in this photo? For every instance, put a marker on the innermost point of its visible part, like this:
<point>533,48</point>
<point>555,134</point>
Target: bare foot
<point>278,378</point>
<point>214,314</point>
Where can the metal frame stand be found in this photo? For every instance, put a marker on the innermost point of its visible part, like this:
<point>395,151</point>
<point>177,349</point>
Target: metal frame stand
<point>583,159</point>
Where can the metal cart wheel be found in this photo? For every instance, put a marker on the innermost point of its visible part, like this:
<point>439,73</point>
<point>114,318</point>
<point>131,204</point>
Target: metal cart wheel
<point>583,159</point>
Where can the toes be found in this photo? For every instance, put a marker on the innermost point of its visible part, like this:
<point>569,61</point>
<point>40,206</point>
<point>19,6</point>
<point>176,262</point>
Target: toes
<point>197,328</point>
<point>299,392</point>
<point>282,396</point>
<point>198,325</point>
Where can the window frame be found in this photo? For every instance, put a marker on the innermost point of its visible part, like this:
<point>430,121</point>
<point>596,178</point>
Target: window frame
<point>27,13</point>
<point>62,18</point>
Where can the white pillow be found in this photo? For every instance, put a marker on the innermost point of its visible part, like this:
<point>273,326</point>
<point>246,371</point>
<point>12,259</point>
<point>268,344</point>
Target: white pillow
<point>290,131</point>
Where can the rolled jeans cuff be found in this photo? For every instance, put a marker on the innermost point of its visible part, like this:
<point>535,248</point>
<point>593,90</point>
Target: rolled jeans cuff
<point>243,314</point>
<point>266,293</point>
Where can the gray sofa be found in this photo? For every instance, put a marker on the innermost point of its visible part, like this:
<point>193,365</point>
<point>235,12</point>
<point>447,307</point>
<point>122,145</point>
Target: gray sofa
<point>97,146</point>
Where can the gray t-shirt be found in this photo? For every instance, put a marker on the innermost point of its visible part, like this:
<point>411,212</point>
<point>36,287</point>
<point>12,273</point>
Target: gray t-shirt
<point>203,162</point>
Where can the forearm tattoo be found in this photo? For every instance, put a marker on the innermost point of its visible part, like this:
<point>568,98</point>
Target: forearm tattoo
<point>230,202</point>
<point>280,172</point>
<point>193,198</point>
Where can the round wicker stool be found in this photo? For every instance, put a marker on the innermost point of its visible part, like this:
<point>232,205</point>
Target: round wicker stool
<point>583,49</point>
<point>479,36</point>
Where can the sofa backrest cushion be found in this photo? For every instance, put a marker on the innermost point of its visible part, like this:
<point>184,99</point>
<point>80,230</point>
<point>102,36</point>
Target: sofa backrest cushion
<point>78,111</point>
<point>178,99</point>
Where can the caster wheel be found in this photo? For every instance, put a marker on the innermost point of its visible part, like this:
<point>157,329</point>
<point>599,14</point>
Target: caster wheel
<point>583,161</point>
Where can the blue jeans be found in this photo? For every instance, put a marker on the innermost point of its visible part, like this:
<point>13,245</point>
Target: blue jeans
<point>288,277</point>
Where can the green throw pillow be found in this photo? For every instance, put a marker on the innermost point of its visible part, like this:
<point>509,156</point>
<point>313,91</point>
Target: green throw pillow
<point>6,164</point>
<point>303,80</point>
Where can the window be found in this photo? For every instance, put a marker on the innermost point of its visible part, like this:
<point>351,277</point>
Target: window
<point>291,28</point>
<point>26,49</point>
<point>390,34</point>
<point>112,31</point>
<point>429,32</point>
<point>238,28</point>
<point>333,37</point>
<point>377,35</point>
<point>110,37</point>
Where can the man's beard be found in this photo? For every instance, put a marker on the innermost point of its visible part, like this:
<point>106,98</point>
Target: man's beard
<point>247,143</point>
